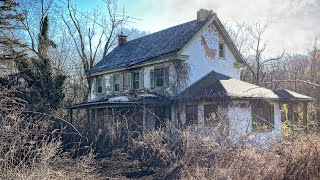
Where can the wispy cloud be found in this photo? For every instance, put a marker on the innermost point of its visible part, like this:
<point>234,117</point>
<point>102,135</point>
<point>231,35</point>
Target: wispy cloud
<point>293,22</point>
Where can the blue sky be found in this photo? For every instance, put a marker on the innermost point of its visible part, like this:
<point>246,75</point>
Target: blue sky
<point>294,23</point>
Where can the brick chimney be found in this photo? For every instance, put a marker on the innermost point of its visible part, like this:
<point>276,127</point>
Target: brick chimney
<point>122,39</point>
<point>203,14</point>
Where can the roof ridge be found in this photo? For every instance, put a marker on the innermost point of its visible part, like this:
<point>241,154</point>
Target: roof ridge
<point>163,30</point>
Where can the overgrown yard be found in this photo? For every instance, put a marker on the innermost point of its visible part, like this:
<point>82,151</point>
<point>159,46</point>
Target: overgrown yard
<point>31,149</point>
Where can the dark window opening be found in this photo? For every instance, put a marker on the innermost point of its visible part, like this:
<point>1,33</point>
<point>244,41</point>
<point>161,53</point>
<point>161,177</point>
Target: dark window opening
<point>159,77</point>
<point>135,80</point>
<point>211,115</point>
<point>262,116</point>
<point>191,115</point>
<point>221,50</point>
<point>99,85</point>
<point>116,83</point>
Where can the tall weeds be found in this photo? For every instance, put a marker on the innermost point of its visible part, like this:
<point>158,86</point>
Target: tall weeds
<point>28,150</point>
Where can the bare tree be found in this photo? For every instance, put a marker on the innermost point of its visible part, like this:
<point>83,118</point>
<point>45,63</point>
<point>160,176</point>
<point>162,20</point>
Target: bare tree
<point>84,33</point>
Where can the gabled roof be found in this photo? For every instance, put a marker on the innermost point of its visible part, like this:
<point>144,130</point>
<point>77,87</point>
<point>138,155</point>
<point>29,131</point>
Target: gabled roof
<point>156,45</point>
<point>288,95</point>
<point>215,85</point>
<point>166,43</point>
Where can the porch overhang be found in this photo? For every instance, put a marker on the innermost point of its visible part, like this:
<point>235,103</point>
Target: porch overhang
<point>292,97</point>
<point>151,101</point>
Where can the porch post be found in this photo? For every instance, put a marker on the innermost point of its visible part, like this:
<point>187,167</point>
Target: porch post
<point>305,116</point>
<point>291,117</point>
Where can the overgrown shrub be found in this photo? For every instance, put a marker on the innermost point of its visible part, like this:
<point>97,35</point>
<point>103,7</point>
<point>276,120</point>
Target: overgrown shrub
<point>29,151</point>
<point>200,157</point>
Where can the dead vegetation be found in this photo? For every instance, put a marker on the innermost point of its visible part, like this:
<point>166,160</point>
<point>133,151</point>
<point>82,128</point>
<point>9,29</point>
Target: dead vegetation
<point>29,151</point>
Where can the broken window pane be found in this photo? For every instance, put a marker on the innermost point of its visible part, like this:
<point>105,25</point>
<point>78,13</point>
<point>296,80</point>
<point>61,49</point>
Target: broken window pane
<point>191,115</point>
<point>211,115</point>
<point>262,116</point>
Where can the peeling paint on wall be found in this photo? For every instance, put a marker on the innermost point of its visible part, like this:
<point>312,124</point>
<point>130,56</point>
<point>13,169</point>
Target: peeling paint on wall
<point>210,52</point>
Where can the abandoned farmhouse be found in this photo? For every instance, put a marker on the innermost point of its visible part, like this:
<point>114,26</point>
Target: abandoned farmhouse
<point>185,75</point>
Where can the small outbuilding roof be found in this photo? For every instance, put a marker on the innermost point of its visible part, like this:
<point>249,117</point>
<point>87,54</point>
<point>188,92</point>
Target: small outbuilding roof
<point>287,95</point>
<point>216,85</point>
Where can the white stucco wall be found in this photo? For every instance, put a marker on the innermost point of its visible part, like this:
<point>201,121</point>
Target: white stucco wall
<point>238,116</point>
<point>201,62</point>
<point>241,124</point>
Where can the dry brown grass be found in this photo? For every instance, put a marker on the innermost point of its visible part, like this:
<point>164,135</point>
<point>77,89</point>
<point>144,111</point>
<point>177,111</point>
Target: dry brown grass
<point>200,157</point>
<point>29,151</point>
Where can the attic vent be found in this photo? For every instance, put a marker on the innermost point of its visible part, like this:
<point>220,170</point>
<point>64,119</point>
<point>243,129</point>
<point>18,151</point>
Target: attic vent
<point>203,14</point>
<point>122,39</point>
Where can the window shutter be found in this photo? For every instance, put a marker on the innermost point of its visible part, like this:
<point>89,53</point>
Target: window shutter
<point>94,88</point>
<point>152,78</point>
<point>141,80</point>
<point>103,85</point>
<point>121,82</point>
<point>166,76</point>
<point>129,81</point>
<point>111,80</point>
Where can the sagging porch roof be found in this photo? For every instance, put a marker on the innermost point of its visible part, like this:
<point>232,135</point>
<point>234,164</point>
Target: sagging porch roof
<point>146,100</point>
<point>218,86</point>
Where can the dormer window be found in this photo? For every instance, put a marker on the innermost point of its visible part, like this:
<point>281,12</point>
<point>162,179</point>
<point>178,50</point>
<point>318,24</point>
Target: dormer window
<point>221,51</point>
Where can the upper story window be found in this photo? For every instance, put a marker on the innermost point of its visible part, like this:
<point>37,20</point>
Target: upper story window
<point>222,50</point>
<point>135,80</point>
<point>159,77</point>
<point>98,85</point>
<point>116,83</point>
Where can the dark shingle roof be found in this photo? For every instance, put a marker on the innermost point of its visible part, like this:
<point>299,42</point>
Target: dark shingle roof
<point>160,44</point>
<point>215,85</point>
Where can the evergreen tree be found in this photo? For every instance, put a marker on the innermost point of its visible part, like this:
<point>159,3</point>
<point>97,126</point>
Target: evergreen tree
<point>11,46</point>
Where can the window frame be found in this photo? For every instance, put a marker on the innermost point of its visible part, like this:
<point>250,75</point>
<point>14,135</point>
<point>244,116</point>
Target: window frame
<point>133,81</point>
<point>115,78</point>
<point>267,123</point>
<point>223,54</point>
<point>156,78</point>
<point>192,121</point>
<point>208,120</point>
<point>98,85</point>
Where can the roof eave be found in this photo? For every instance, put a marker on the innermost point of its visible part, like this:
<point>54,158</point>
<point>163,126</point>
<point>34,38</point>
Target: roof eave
<point>146,62</point>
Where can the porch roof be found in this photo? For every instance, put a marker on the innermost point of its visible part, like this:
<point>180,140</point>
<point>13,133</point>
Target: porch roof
<point>218,86</point>
<point>156,100</point>
<point>287,95</point>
